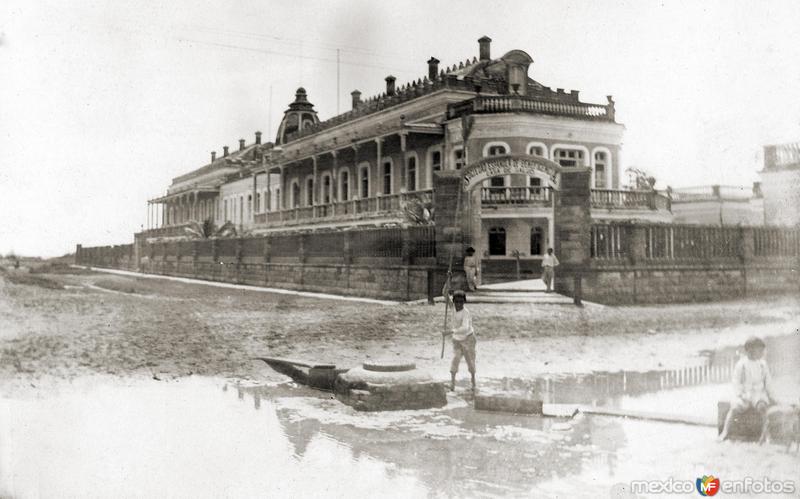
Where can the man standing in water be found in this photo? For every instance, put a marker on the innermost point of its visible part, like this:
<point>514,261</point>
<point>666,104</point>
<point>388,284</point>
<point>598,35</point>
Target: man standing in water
<point>464,340</point>
<point>549,262</point>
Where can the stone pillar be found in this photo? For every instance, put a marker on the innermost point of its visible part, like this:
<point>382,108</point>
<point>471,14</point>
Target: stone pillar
<point>403,164</point>
<point>268,193</point>
<point>281,190</point>
<point>239,249</point>
<point>573,230</point>
<point>334,177</point>
<point>448,225</point>
<point>315,191</point>
<point>747,248</point>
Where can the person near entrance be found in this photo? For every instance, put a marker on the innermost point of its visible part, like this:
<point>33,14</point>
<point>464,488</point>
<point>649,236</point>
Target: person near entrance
<point>471,269</point>
<point>463,334</point>
<point>549,263</point>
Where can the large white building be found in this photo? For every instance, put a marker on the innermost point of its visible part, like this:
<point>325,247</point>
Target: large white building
<point>368,165</point>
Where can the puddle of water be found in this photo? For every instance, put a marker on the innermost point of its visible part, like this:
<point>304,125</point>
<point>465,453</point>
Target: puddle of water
<point>692,390</point>
<point>180,439</point>
<point>200,437</point>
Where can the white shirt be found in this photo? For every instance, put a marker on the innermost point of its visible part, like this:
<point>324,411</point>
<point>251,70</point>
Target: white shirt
<point>462,324</point>
<point>751,380</point>
<point>549,261</point>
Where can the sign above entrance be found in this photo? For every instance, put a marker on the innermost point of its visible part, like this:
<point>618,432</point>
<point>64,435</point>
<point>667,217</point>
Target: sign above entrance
<point>509,165</point>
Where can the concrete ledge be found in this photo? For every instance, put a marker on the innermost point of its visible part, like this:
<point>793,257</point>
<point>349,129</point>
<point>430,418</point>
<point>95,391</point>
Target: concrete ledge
<point>388,391</point>
<point>508,403</point>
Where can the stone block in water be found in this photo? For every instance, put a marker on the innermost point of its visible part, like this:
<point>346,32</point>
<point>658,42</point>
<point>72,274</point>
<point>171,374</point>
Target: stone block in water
<point>508,403</point>
<point>746,426</point>
<point>385,387</point>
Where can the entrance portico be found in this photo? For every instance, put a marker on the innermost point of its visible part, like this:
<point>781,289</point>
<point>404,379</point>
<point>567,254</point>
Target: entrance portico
<point>511,226</point>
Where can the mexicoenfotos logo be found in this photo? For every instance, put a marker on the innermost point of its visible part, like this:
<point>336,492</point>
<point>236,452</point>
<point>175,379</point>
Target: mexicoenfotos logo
<point>708,485</point>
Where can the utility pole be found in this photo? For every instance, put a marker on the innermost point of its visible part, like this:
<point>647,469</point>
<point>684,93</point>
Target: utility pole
<point>269,115</point>
<point>338,93</point>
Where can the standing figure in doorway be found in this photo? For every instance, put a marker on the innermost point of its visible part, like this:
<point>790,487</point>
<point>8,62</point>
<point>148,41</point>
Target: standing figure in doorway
<point>549,263</point>
<point>471,269</point>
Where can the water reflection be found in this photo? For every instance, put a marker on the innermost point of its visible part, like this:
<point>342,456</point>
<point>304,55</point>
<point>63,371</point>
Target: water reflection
<point>194,437</point>
<point>454,451</point>
<point>180,439</point>
<point>603,388</point>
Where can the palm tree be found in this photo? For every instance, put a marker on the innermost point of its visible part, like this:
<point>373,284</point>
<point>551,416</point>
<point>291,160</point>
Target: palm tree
<point>207,230</point>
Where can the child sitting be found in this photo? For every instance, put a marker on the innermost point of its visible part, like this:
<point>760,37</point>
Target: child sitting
<point>752,384</point>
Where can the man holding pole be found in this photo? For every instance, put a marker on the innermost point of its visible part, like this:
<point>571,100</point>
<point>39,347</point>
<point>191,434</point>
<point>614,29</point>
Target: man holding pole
<point>463,334</point>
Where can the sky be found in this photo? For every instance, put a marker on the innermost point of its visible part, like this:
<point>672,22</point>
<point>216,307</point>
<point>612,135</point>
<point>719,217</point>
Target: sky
<point>102,103</point>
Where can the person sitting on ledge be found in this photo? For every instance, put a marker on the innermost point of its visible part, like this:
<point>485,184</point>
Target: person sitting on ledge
<point>752,384</point>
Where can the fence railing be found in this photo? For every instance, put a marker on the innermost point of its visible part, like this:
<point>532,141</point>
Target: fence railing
<point>769,241</point>
<point>663,242</point>
<point>609,242</point>
<point>401,244</point>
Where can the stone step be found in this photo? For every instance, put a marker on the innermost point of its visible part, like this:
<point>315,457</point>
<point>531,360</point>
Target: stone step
<point>516,297</point>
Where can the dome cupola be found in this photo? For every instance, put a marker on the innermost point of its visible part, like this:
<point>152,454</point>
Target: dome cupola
<point>298,117</point>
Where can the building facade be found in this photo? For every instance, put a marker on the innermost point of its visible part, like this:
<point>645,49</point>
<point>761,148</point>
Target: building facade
<point>374,165</point>
<point>721,205</point>
<point>780,183</point>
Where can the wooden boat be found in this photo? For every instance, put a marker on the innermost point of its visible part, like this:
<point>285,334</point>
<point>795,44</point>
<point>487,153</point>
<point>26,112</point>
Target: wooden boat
<point>314,375</point>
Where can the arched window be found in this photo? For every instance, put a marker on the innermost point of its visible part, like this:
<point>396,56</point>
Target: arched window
<point>497,150</point>
<point>411,173</point>
<point>295,194</point>
<point>569,157</point>
<point>387,177</point>
<point>310,192</point>
<point>497,241</point>
<point>600,166</point>
<point>458,158</point>
<point>535,184</point>
<point>497,182</point>
<point>436,161</point>
<point>364,191</point>
<point>536,150</point>
<point>326,189</point>
<point>344,185</point>
<point>537,238</point>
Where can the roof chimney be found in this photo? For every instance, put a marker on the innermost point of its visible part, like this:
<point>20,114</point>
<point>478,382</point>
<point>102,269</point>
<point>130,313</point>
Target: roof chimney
<point>484,44</point>
<point>390,85</point>
<point>356,95</point>
<point>213,156</point>
<point>224,151</point>
<point>241,144</point>
<point>258,137</point>
<point>433,68</point>
<point>757,193</point>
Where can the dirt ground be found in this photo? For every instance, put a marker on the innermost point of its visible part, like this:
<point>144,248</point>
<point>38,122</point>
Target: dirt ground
<point>84,323</point>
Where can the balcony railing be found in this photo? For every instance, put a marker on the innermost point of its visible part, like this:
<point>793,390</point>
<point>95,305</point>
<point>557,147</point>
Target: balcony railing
<point>167,231</point>
<point>345,210</point>
<point>633,200</point>
<point>520,104</point>
<point>516,195</point>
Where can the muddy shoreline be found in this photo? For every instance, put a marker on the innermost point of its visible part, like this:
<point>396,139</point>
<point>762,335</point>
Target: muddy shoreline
<point>102,324</point>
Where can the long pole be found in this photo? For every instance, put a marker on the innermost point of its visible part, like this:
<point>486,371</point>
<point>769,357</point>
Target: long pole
<point>338,93</point>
